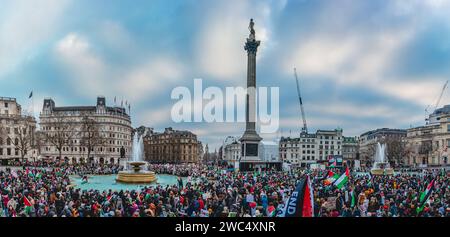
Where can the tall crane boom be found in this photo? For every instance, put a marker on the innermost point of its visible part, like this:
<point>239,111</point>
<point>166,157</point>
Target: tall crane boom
<point>440,96</point>
<point>304,128</point>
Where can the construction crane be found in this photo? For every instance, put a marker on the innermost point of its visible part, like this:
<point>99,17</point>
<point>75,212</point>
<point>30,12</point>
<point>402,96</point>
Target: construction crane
<point>304,128</point>
<point>440,96</point>
<point>438,100</point>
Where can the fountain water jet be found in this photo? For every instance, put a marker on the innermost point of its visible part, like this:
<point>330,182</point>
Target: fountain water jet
<point>380,166</point>
<point>135,173</point>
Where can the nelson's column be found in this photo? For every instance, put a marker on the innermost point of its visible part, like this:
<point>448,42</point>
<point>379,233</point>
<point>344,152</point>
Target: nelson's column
<point>250,140</point>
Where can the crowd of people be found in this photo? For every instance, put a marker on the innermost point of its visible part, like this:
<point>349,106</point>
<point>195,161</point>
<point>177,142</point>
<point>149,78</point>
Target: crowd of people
<point>215,192</point>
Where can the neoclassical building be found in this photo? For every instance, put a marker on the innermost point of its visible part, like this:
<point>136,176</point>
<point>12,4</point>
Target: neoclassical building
<point>428,145</point>
<point>107,132</point>
<point>16,132</point>
<point>231,150</point>
<point>350,150</point>
<point>368,140</point>
<point>172,146</point>
<point>311,148</point>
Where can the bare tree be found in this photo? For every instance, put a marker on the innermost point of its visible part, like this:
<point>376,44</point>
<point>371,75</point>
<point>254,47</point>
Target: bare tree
<point>370,154</point>
<point>24,135</point>
<point>3,134</point>
<point>61,131</point>
<point>396,149</point>
<point>426,147</point>
<point>91,134</point>
<point>39,138</point>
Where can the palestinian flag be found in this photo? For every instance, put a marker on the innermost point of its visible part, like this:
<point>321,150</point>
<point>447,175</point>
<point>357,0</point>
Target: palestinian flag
<point>38,175</point>
<point>301,202</point>
<point>331,178</point>
<point>28,204</point>
<point>332,162</point>
<point>353,199</point>
<point>343,179</point>
<point>370,180</point>
<point>425,195</point>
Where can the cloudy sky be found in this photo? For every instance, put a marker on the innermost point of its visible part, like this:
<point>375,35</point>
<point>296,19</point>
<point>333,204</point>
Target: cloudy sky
<point>362,64</point>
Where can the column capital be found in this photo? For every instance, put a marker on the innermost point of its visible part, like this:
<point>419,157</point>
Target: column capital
<point>251,46</point>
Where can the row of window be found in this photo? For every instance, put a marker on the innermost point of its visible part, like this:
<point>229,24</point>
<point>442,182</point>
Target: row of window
<point>9,141</point>
<point>297,155</point>
<point>8,152</point>
<point>84,149</point>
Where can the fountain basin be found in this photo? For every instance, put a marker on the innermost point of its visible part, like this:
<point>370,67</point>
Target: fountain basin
<point>131,177</point>
<point>381,168</point>
<point>136,175</point>
<point>108,182</point>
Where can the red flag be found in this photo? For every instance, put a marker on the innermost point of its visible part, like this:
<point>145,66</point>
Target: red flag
<point>308,200</point>
<point>301,202</point>
<point>26,201</point>
<point>330,173</point>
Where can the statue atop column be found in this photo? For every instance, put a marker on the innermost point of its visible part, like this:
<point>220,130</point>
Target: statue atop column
<point>252,44</point>
<point>252,30</point>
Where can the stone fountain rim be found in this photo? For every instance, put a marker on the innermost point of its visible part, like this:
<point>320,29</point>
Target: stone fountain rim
<point>137,163</point>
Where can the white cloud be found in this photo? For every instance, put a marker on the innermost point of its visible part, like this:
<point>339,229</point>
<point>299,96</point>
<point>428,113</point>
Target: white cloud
<point>150,77</point>
<point>118,38</point>
<point>93,75</point>
<point>363,61</point>
<point>87,69</point>
<point>323,55</point>
<point>220,44</point>
<point>24,27</point>
<point>414,6</point>
<point>157,117</point>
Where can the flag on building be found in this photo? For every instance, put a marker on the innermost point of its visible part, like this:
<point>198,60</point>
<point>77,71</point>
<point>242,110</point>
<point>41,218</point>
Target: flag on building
<point>301,202</point>
<point>343,179</point>
<point>424,196</point>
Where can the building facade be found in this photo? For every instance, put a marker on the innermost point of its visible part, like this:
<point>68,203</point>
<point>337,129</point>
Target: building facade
<point>231,150</point>
<point>269,151</point>
<point>105,131</point>
<point>172,146</point>
<point>350,150</point>
<point>368,141</point>
<point>17,131</point>
<point>311,148</point>
<point>269,154</point>
<point>428,145</point>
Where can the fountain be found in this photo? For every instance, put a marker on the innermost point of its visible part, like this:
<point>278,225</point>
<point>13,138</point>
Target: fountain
<point>380,166</point>
<point>135,173</point>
